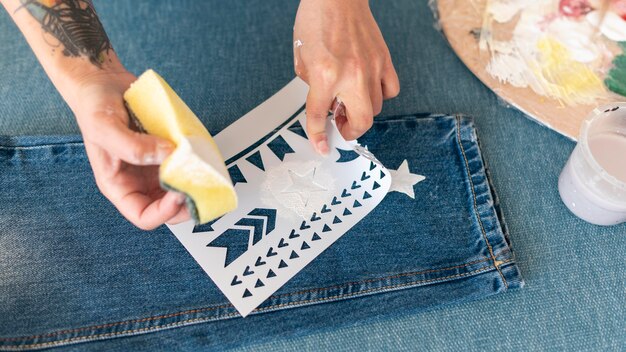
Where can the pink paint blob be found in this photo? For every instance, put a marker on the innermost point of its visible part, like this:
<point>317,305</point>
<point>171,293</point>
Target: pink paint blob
<point>574,8</point>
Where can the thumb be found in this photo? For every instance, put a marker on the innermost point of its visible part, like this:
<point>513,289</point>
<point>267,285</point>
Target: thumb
<point>114,136</point>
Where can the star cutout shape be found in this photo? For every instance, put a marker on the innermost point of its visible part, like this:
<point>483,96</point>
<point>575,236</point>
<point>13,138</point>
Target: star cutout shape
<point>303,186</point>
<point>402,180</point>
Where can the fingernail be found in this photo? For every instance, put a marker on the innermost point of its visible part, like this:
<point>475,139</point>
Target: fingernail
<point>322,147</point>
<point>180,198</point>
<point>149,159</point>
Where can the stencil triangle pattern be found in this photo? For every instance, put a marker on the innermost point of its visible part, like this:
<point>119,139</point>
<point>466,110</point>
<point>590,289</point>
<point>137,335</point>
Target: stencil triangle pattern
<point>280,147</point>
<point>253,251</point>
<point>235,175</point>
<point>204,227</point>
<point>346,155</point>
<point>256,160</point>
<point>297,129</point>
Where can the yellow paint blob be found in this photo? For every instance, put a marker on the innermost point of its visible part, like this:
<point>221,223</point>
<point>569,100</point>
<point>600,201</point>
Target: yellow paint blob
<point>564,78</point>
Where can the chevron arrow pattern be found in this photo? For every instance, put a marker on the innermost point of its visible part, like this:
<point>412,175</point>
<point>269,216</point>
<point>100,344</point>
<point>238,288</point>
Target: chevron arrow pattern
<point>249,230</point>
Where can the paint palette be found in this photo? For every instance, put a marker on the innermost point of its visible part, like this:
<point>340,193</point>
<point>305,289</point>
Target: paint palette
<point>462,20</point>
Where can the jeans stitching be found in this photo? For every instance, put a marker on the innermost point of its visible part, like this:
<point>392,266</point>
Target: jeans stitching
<point>503,251</point>
<point>480,222</point>
<point>42,146</point>
<point>378,279</point>
<point>183,322</point>
<point>199,310</point>
<point>262,309</point>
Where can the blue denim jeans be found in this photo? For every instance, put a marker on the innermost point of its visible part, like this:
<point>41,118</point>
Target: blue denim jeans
<point>73,270</point>
<point>226,57</point>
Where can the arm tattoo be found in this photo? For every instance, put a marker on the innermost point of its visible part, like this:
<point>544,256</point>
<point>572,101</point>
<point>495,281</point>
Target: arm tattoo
<point>74,24</point>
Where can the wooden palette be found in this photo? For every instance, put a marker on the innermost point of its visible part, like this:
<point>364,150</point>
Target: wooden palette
<point>458,18</point>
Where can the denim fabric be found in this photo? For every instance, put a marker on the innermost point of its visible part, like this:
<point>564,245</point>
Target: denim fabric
<point>574,297</point>
<point>79,272</point>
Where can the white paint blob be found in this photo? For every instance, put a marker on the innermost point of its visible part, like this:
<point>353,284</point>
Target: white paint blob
<point>613,26</point>
<point>296,188</point>
<point>578,37</point>
<point>402,180</point>
<point>504,10</point>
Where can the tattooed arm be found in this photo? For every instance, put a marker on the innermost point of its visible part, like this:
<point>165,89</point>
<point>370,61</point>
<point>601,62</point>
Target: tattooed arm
<point>70,42</point>
<point>67,38</point>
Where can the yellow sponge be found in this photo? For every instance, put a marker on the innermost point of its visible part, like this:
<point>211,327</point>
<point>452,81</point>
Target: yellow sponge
<point>196,168</point>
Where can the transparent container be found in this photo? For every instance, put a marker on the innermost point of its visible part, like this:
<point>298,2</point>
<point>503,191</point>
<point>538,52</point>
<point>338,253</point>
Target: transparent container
<point>593,182</point>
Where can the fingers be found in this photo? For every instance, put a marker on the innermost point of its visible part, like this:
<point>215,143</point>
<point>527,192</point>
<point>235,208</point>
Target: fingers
<point>376,97</point>
<point>135,191</point>
<point>359,113</point>
<point>108,128</point>
<point>390,82</point>
<point>183,215</point>
<point>298,65</point>
<point>132,147</point>
<point>362,102</point>
<point>147,213</point>
<point>318,102</point>
<point>362,92</point>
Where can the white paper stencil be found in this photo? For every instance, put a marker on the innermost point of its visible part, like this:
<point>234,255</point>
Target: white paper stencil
<point>293,204</point>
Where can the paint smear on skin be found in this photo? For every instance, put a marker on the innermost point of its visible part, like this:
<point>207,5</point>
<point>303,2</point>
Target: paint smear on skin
<point>616,78</point>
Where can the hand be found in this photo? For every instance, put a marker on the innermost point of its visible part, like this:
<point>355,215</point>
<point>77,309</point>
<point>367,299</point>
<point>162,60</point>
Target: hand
<point>124,162</point>
<point>340,52</point>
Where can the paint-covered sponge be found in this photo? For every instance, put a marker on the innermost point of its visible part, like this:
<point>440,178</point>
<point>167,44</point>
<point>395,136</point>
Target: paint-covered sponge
<point>196,167</point>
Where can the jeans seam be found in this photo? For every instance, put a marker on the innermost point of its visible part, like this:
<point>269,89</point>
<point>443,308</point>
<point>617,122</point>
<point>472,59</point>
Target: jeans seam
<point>194,320</point>
<point>165,316</point>
<point>378,289</point>
<point>504,251</point>
<point>42,146</point>
<point>199,310</point>
<point>377,279</point>
<point>475,205</point>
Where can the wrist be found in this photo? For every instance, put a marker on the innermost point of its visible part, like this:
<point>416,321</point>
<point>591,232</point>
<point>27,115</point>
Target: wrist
<point>70,80</point>
<point>338,4</point>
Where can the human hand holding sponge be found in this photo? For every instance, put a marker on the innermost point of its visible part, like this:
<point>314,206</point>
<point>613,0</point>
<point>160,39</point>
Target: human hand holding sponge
<point>196,167</point>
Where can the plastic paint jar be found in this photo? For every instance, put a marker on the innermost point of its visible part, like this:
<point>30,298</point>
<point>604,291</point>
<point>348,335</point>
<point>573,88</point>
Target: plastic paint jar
<point>593,182</point>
